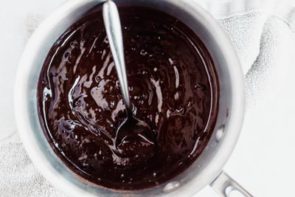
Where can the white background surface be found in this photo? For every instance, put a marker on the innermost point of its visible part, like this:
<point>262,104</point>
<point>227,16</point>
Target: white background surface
<point>264,159</point>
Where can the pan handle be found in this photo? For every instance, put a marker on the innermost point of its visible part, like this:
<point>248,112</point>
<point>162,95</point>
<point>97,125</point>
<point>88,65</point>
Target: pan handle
<point>226,186</point>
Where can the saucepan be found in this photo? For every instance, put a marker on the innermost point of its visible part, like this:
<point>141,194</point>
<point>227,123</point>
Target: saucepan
<point>206,170</point>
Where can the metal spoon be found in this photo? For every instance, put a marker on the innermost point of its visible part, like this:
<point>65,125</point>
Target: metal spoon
<point>114,33</point>
<point>132,130</point>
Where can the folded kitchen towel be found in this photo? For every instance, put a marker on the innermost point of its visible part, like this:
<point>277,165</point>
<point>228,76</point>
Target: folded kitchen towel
<point>18,176</point>
<point>265,44</point>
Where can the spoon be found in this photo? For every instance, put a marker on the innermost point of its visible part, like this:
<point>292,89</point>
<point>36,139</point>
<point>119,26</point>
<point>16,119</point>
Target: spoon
<point>133,135</point>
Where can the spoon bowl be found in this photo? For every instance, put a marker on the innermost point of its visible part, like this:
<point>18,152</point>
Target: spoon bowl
<point>135,141</point>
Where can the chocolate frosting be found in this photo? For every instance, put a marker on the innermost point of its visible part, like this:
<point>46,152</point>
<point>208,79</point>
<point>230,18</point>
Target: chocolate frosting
<point>172,83</point>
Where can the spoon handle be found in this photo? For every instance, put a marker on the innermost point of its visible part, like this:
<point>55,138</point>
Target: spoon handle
<point>114,33</point>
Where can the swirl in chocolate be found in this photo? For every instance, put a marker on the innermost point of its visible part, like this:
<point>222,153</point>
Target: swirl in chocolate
<point>172,83</point>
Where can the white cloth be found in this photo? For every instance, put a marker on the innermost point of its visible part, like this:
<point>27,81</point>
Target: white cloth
<point>264,39</point>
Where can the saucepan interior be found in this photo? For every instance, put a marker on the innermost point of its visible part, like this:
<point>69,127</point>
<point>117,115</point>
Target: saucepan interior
<point>231,103</point>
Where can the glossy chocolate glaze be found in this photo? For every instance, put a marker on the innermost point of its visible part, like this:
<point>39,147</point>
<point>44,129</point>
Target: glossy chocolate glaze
<point>172,84</point>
